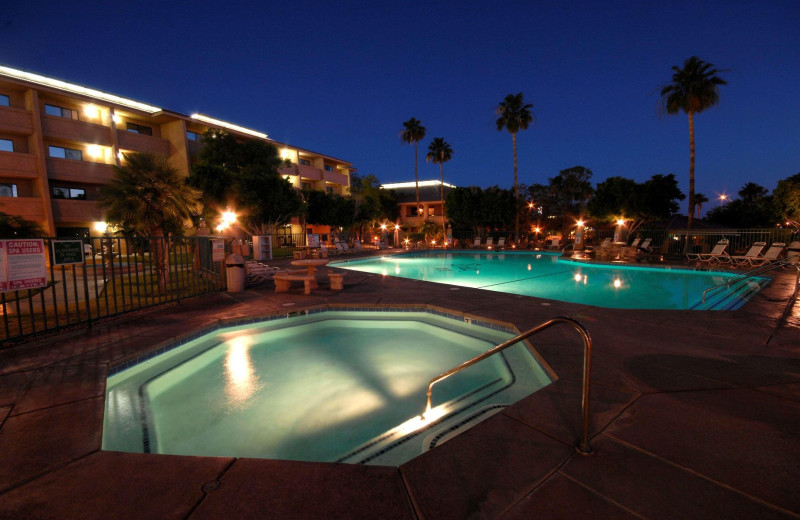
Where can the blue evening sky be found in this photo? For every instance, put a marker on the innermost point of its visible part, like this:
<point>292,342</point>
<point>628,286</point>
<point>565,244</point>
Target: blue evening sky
<point>340,78</point>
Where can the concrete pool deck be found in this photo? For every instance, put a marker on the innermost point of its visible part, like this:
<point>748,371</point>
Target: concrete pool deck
<point>694,415</point>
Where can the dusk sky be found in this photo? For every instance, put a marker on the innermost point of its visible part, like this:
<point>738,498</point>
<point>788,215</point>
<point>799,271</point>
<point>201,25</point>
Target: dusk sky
<point>339,78</point>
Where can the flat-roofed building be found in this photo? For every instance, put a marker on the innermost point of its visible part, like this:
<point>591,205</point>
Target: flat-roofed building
<point>59,142</point>
<point>430,201</point>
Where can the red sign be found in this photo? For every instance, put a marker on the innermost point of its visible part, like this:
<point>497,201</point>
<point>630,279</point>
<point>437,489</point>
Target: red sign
<point>24,264</point>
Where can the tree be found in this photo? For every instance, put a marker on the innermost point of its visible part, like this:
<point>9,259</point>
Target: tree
<point>476,209</point>
<point>439,151</point>
<point>753,208</point>
<point>699,200</point>
<point>654,199</point>
<point>515,115</point>
<point>151,198</point>
<point>413,132</point>
<point>12,226</point>
<point>569,192</point>
<point>693,89</point>
<point>244,176</point>
<point>786,199</point>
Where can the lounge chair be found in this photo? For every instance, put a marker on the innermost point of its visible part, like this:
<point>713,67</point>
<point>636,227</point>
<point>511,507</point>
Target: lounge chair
<point>257,272</point>
<point>750,255</point>
<point>635,244</point>
<point>645,247</point>
<point>717,254</point>
<point>767,258</point>
<point>489,241</point>
<point>793,252</point>
<point>501,243</point>
<point>476,242</point>
<point>554,243</point>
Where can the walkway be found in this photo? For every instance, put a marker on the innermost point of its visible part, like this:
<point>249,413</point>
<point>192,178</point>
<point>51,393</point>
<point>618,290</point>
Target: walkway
<point>694,415</point>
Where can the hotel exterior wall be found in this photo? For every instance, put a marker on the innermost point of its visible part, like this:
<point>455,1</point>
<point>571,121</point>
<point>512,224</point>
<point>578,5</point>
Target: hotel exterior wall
<point>100,122</point>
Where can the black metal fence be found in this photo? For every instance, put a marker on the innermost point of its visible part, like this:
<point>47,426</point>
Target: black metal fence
<point>117,275</point>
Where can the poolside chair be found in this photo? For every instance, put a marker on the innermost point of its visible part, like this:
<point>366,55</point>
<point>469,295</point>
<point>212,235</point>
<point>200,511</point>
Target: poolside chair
<point>635,244</point>
<point>793,252</point>
<point>554,243</point>
<point>501,243</point>
<point>476,242</point>
<point>751,254</point>
<point>717,254</point>
<point>489,241</point>
<point>767,258</point>
<point>257,273</point>
<point>645,247</point>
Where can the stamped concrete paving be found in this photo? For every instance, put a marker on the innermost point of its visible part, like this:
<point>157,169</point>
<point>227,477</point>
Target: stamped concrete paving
<point>694,415</point>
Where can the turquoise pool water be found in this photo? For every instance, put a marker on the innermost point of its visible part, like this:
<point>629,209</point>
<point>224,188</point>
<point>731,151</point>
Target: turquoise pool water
<point>327,386</point>
<point>546,275</point>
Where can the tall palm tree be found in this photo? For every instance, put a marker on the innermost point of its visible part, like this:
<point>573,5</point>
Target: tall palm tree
<point>515,115</point>
<point>439,151</point>
<point>152,198</point>
<point>699,200</point>
<point>693,89</point>
<point>413,132</point>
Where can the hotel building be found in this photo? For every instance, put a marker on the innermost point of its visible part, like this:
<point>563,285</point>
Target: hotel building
<point>59,142</point>
<point>430,201</point>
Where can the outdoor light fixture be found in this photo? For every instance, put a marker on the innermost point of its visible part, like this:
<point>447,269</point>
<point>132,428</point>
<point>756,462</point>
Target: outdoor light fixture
<point>101,227</point>
<point>580,223</point>
<point>723,197</point>
<point>91,111</point>
<point>621,222</point>
<point>117,120</point>
<point>383,226</point>
<point>94,151</point>
<point>228,218</point>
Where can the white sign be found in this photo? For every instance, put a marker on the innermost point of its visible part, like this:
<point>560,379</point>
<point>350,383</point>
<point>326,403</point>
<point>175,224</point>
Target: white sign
<point>217,250</point>
<point>24,265</point>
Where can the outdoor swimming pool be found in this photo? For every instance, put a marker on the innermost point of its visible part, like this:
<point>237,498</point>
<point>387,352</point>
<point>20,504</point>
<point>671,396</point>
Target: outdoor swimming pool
<point>328,386</point>
<point>546,275</point>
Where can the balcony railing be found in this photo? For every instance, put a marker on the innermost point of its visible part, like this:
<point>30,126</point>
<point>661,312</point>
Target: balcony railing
<point>18,165</point>
<point>142,143</point>
<point>16,121</point>
<point>79,171</point>
<point>78,131</point>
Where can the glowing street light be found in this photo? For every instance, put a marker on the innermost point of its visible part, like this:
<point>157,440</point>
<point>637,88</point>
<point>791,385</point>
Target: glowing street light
<point>228,218</point>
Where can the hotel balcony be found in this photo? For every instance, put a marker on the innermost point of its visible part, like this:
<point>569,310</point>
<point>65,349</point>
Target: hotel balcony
<point>73,130</point>
<point>65,210</point>
<point>336,178</point>
<point>29,208</point>
<point>16,121</point>
<point>79,171</point>
<point>142,143</point>
<point>18,165</point>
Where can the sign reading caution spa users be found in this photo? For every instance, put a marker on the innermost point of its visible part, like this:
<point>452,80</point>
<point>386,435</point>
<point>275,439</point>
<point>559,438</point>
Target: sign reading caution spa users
<point>23,264</point>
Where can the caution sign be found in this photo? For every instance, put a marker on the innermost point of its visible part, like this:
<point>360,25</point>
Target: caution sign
<point>217,250</point>
<point>24,264</point>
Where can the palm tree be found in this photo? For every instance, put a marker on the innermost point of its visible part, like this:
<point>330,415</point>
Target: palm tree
<point>699,200</point>
<point>439,151</point>
<point>413,132</point>
<point>515,115</point>
<point>693,89</point>
<point>150,197</point>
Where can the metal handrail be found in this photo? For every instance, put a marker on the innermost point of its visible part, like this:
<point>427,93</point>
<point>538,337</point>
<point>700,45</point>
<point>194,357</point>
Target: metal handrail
<point>583,446</point>
<point>751,273</point>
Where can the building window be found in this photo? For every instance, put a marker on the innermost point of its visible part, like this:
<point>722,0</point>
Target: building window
<point>67,113</point>
<point>8,190</point>
<point>328,168</point>
<point>305,162</point>
<point>68,193</point>
<point>5,101</point>
<point>306,186</point>
<point>139,129</point>
<point>65,153</point>
<point>6,145</point>
<point>194,136</point>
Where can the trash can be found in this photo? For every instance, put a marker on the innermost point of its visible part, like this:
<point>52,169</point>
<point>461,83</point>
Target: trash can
<point>234,269</point>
